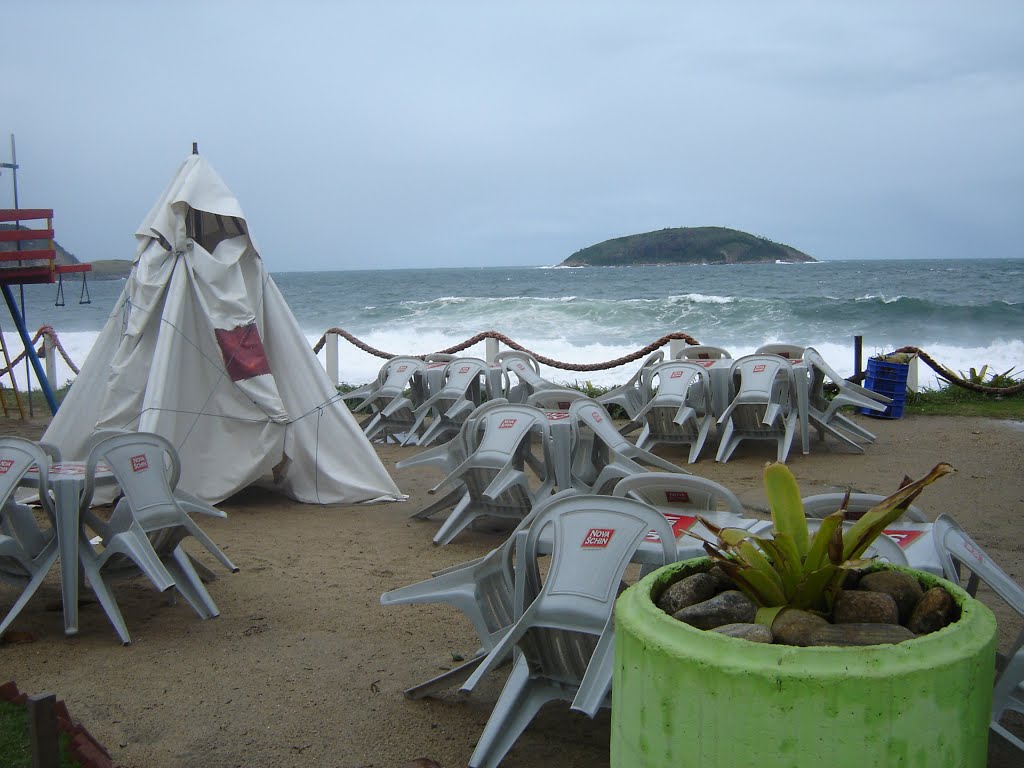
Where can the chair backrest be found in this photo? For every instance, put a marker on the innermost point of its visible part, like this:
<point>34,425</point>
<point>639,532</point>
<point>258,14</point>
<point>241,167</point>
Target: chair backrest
<point>555,399</point>
<point>526,368</point>
<point>759,376</point>
<point>594,416</point>
<point>138,461</point>
<point>676,377</point>
<point>508,354</point>
<point>824,504</point>
<point>788,351</point>
<point>684,492</point>
<point>594,539</point>
<point>460,375</point>
<point>506,426</point>
<point>17,457</point>
<point>703,352</point>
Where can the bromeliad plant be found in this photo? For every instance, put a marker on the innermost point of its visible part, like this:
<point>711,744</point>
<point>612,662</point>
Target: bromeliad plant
<point>792,569</point>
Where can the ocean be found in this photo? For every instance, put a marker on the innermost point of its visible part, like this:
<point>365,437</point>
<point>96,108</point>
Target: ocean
<point>963,313</point>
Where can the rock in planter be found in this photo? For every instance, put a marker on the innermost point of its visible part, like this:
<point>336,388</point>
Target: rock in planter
<point>860,607</point>
<point>901,587</point>
<point>859,634</point>
<point>796,627</point>
<point>729,607</point>
<point>932,612</point>
<point>755,633</point>
<point>689,591</point>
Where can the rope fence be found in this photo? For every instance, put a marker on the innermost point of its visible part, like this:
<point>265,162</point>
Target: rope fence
<point>46,332</point>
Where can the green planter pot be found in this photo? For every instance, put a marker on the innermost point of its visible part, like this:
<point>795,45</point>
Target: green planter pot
<point>684,697</point>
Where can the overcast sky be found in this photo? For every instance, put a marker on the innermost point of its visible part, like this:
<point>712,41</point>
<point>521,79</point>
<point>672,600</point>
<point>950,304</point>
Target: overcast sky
<point>398,134</point>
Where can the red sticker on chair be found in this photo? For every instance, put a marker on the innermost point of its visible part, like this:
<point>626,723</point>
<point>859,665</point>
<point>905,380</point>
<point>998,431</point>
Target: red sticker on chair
<point>507,423</point>
<point>556,415</point>
<point>597,538</point>
<point>5,465</point>
<point>676,374</point>
<point>759,368</point>
<point>903,538</point>
<point>464,369</point>
<point>677,497</point>
<point>401,368</point>
<point>139,463</point>
<point>243,353</point>
<point>679,523</point>
<point>706,363</point>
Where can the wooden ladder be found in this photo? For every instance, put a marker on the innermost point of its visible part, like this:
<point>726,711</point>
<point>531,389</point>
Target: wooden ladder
<point>7,408</point>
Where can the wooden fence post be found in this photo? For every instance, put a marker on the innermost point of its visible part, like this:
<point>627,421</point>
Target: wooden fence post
<point>42,730</point>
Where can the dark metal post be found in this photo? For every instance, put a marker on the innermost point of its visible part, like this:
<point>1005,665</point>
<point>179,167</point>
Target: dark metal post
<point>858,356</point>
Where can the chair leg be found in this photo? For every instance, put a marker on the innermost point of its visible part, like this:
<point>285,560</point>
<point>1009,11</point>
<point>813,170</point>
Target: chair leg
<point>109,604</point>
<point>445,679</point>
<point>200,535</point>
<point>460,517</point>
<point>189,585</point>
<point>516,707</point>
<point>43,562</point>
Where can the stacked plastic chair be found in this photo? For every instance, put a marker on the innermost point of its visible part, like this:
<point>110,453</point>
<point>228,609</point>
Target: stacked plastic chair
<point>452,404</point>
<point>825,413</point>
<point>680,410</point>
<point>147,525</point>
<point>603,456</point>
<point>494,472</point>
<point>703,352</point>
<point>562,639</point>
<point>26,552</point>
<point>633,395</point>
<point>526,369</point>
<point>957,550</point>
<point>393,411</point>
<point>482,589</point>
<point>762,405</point>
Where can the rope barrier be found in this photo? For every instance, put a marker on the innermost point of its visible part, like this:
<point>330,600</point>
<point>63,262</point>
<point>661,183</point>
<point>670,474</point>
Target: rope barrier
<point>47,332</point>
<point>678,335</point>
<point>959,381</point>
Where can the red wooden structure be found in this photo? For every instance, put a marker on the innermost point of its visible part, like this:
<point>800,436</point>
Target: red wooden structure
<point>32,265</point>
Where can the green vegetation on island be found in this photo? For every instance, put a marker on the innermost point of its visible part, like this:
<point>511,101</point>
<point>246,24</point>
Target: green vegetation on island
<point>685,245</point>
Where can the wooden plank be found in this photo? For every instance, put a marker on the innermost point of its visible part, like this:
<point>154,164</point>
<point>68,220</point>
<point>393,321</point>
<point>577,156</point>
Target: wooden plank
<point>13,235</point>
<point>26,275</point>
<point>25,214</point>
<point>42,730</point>
<point>64,269</point>
<point>46,254</point>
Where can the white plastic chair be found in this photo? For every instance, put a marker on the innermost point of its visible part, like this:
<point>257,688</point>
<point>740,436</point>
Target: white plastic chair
<point>825,413</point>
<point>680,411</point>
<point>482,589</point>
<point>527,372</point>
<point>146,526</point>
<point>631,396</point>
<point>824,504</point>
<point>703,352</point>
<point>26,552</point>
<point>450,405</point>
<point>393,411</point>
<point>556,398</point>
<point>603,456</point>
<point>956,549</point>
<point>494,473</point>
<point>564,636</point>
<point>679,492</point>
<point>448,457</point>
<point>762,405</point>
<point>788,351</point>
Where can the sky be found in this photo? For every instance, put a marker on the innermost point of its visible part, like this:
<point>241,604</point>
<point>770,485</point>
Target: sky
<point>390,134</point>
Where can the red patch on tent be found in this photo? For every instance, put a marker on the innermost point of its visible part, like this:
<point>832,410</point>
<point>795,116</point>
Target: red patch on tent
<point>243,353</point>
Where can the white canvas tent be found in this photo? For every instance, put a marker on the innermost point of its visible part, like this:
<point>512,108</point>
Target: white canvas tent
<point>202,349</point>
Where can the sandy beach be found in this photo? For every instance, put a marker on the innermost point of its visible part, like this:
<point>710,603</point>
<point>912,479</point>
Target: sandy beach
<point>304,667</point>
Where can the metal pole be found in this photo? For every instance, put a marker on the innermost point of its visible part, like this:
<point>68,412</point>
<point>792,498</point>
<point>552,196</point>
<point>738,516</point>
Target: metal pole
<point>30,352</point>
<point>21,286</point>
<point>858,355</point>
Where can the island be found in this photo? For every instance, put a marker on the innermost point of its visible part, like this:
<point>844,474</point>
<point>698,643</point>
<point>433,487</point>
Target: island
<point>686,245</point>
<point>104,269</point>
